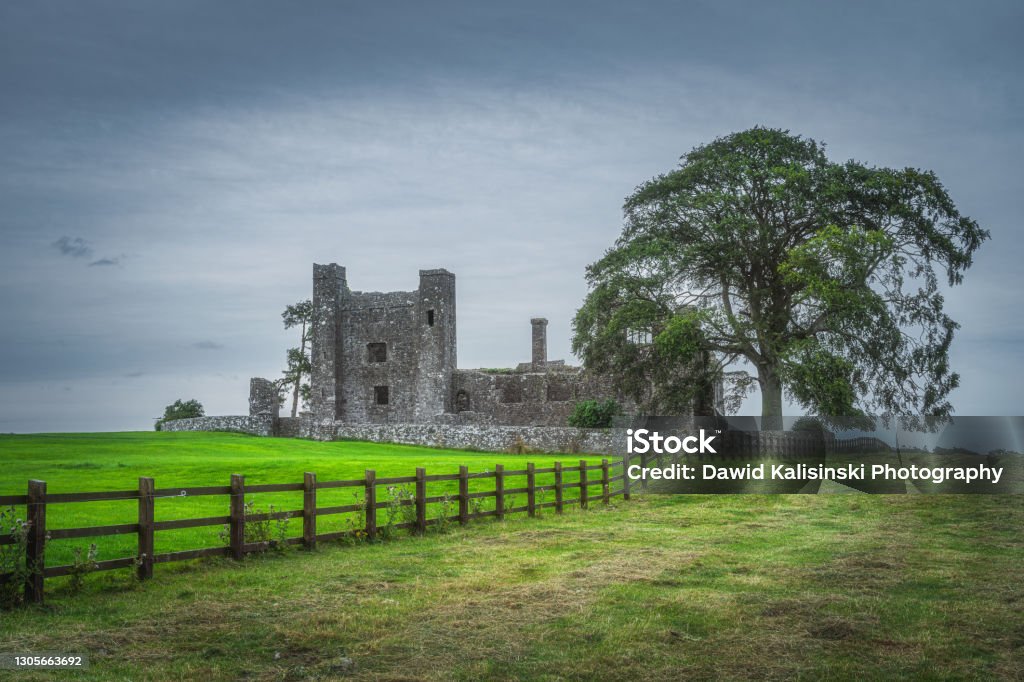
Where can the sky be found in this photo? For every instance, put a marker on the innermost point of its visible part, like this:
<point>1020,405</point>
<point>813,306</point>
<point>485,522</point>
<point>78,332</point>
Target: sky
<point>171,171</point>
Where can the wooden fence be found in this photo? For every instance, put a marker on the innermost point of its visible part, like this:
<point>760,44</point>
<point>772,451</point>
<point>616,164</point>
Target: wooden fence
<point>37,500</point>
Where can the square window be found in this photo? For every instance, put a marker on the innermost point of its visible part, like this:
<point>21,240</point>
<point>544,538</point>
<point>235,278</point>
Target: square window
<point>380,395</point>
<point>430,318</point>
<point>377,352</point>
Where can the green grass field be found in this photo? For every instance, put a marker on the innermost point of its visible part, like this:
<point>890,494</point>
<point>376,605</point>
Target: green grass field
<point>114,461</point>
<point>657,588</point>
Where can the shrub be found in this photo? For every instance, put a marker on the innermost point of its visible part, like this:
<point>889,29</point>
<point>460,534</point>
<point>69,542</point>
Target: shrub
<point>14,572</point>
<point>445,515</point>
<point>809,425</point>
<point>400,509</point>
<point>265,533</point>
<point>356,525</point>
<point>591,414</point>
<point>181,409</point>
<point>82,565</point>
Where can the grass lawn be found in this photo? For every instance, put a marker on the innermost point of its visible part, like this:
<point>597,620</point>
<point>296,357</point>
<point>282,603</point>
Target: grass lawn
<point>87,462</point>
<point>658,588</point>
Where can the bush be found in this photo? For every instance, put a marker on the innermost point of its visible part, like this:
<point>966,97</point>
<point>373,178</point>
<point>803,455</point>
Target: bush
<point>809,425</point>
<point>591,414</point>
<point>180,409</point>
<point>13,570</point>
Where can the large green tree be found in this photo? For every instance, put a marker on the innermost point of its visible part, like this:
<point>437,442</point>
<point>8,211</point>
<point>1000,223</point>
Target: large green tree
<point>759,253</point>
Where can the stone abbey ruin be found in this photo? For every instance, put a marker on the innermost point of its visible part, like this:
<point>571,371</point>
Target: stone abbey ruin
<point>384,368</point>
<point>383,358</point>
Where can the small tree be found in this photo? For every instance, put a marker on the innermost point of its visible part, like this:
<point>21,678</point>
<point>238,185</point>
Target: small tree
<point>181,409</point>
<point>299,365</point>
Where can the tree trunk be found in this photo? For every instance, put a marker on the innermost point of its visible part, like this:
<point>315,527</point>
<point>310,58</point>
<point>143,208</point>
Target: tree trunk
<point>771,399</point>
<point>298,377</point>
<point>295,395</point>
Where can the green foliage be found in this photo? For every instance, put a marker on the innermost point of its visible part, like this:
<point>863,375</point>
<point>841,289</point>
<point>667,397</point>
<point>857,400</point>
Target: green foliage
<point>400,507</point>
<point>299,315</point>
<point>297,372</point>
<point>356,524</point>
<point>82,564</point>
<point>265,533</point>
<point>14,572</point>
<point>445,514</point>
<point>299,365</point>
<point>809,425</point>
<point>593,414</point>
<point>758,250</point>
<point>181,409</point>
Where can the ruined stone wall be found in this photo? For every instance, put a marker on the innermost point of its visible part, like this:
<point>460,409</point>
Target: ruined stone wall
<point>263,397</point>
<point>289,427</point>
<point>378,318</point>
<point>526,398</point>
<point>488,438</point>
<point>259,425</point>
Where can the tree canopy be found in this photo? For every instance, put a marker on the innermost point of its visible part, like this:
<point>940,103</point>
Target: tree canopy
<point>759,252</point>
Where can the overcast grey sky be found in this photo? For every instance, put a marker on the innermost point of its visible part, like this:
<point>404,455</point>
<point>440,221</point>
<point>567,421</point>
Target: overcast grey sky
<point>170,171</point>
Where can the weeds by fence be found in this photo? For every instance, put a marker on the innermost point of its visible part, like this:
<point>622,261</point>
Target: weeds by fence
<point>248,530</point>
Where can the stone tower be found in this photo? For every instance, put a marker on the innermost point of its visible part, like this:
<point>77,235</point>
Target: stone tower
<point>381,357</point>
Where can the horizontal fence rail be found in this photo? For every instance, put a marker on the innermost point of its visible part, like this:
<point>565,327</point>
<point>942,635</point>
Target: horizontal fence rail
<point>38,500</point>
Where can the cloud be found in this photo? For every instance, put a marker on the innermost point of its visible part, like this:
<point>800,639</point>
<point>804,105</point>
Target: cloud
<point>75,248</point>
<point>133,375</point>
<point>106,261</point>
<point>207,345</point>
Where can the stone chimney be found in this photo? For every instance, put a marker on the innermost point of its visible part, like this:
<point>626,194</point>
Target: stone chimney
<point>539,346</point>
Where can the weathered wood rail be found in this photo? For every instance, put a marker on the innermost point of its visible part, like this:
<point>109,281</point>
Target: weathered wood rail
<point>37,500</point>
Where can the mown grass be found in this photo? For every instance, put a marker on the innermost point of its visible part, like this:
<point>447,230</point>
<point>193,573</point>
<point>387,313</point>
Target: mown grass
<point>659,588</point>
<point>114,461</point>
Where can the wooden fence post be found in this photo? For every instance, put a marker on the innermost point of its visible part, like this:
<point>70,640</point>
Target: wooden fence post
<point>237,525</point>
<point>583,484</point>
<point>463,495</point>
<point>604,481</point>
<point>370,499</point>
<point>35,562</point>
<point>421,500</point>
<point>531,490</point>
<point>309,510</point>
<point>625,476</point>
<point>147,517</point>
<point>499,490</point>
<point>558,487</point>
